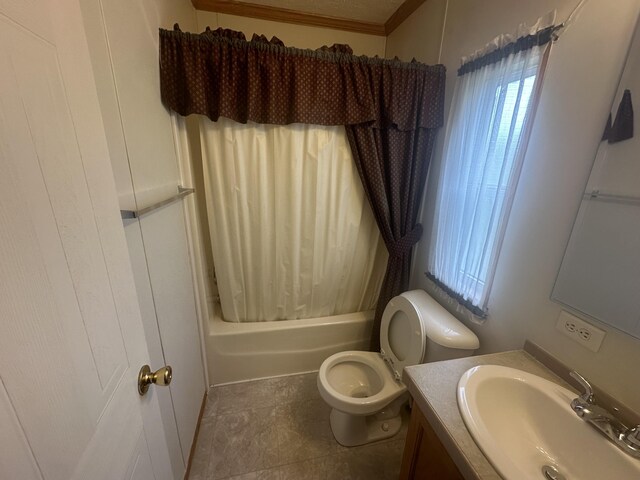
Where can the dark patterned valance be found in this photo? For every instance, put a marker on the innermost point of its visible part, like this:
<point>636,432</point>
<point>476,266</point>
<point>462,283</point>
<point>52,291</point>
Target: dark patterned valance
<point>220,73</point>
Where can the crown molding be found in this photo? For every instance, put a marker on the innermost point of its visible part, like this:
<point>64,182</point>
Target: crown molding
<point>401,14</point>
<point>246,9</point>
<point>243,9</point>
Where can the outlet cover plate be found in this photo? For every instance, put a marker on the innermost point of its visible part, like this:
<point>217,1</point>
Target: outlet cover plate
<point>580,331</point>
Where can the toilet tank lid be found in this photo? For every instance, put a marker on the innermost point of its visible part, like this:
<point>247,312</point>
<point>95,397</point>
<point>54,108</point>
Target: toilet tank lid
<point>440,326</point>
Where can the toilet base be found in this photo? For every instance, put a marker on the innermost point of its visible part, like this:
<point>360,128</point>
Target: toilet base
<point>353,430</point>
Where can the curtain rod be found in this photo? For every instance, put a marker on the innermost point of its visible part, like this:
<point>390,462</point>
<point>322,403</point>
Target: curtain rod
<point>260,42</point>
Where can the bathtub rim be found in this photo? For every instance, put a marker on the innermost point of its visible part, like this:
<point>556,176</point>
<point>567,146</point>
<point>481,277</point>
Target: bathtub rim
<point>219,326</point>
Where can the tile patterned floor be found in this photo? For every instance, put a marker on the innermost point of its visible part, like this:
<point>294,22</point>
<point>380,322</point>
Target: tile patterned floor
<point>278,429</point>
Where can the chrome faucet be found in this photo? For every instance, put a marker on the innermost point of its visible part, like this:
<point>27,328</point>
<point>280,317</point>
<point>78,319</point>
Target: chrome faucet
<point>627,439</point>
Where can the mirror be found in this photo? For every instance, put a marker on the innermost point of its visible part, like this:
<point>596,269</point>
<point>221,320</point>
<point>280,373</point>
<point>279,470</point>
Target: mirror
<point>600,273</point>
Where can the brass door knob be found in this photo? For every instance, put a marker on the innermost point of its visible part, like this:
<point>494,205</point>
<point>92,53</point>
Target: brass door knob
<point>160,377</point>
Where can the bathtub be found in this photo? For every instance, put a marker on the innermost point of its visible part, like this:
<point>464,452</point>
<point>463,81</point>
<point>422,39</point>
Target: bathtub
<point>244,351</point>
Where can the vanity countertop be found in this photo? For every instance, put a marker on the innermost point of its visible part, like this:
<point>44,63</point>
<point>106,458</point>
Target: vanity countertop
<point>433,387</point>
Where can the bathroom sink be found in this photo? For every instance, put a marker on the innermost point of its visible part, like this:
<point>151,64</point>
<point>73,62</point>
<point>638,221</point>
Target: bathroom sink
<point>525,426</point>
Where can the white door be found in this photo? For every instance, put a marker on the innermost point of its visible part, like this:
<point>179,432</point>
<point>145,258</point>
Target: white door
<point>71,338</point>
<point>123,41</point>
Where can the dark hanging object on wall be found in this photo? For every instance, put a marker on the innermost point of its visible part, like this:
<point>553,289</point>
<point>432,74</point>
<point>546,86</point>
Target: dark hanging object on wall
<point>622,127</point>
<point>607,130</point>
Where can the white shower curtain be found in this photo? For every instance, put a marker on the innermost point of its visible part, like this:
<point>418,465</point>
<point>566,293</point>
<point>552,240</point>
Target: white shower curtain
<point>292,232</point>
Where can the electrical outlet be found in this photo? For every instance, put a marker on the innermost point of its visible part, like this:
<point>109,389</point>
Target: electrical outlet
<point>584,333</point>
<point>580,331</point>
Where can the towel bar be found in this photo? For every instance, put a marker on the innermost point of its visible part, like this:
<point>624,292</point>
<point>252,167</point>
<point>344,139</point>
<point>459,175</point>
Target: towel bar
<point>182,192</point>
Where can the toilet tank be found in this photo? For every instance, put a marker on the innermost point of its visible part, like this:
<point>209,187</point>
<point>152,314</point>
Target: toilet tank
<point>447,337</point>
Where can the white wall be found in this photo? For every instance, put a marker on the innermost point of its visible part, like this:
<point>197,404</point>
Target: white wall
<point>419,36</point>
<point>299,36</point>
<point>581,79</point>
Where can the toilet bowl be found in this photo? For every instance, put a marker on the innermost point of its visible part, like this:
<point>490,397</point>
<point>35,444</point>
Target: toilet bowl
<point>365,389</point>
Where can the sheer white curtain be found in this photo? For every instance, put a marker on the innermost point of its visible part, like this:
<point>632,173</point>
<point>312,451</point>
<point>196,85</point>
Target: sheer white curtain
<point>487,132</point>
<point>292,232</point>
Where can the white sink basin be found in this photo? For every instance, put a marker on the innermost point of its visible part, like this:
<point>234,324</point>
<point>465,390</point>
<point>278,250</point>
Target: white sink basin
<point>523,422</point>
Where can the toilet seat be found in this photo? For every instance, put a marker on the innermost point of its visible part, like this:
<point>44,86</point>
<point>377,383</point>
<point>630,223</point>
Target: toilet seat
<point>402,335</point>
<point>389,390</point>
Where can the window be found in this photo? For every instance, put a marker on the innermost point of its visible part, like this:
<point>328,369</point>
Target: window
<point>486,137</point>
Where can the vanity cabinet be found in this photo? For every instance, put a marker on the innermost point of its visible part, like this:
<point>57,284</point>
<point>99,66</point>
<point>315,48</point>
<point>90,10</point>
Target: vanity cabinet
<point>424,455</point>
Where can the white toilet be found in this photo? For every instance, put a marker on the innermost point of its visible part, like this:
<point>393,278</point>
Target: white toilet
<point>365,389</point>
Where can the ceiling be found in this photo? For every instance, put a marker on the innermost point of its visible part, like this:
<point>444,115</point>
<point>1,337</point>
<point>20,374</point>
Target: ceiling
<point>375,17</point>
